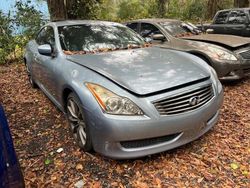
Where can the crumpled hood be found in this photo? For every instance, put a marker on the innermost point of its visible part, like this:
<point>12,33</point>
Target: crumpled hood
<point>146,70</point>
<point>231,41</point>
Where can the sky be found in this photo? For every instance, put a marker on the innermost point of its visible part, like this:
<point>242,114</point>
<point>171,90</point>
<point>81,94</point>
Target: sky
<point>8,5</point>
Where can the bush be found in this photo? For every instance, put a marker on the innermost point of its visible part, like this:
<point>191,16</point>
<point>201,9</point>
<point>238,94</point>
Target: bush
<point>15,32</point>
<point>133,9</point>
<point>6,38</point>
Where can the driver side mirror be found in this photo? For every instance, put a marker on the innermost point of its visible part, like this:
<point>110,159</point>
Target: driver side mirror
<point>148,40</point>
<point>158,37</point>
<point>45,49</point>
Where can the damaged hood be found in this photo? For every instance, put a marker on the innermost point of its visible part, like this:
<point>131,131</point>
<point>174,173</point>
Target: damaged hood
<point>146,70</point>
<point>225,40</point>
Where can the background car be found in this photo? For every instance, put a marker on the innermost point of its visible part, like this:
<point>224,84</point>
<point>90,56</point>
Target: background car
<point>228,55</point>
<point>122,97</point>
<point>10,172</point>
<point>231,22</point>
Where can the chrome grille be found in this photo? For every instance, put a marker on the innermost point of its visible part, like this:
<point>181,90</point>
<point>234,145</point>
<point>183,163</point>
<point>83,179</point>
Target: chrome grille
<point>245,54</point>
<point>185,102</point>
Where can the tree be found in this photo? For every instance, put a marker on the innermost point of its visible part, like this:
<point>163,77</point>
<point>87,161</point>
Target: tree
<point>27,19</point>
<point>241,3</point>
<point>212,8</point>
<point>162,7</point>
<point>132,9</point>
<point>73,9</point>
<point>6,38</point>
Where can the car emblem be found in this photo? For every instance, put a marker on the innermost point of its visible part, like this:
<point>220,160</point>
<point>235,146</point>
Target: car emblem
<point>194,100</point>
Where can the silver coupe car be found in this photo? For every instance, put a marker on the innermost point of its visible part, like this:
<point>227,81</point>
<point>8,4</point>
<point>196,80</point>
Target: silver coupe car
<point>122,97</point>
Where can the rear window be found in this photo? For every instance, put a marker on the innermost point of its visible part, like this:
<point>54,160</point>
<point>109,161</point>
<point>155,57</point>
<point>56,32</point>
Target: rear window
<point>175,28</point>
<point>237,17</point>
<point>221,17</point>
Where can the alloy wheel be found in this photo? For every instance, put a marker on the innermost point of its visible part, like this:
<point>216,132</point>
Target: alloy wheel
<point>77,122</point>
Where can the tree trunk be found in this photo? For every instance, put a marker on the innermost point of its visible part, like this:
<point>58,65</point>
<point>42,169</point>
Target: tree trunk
<point>241,3</point>
<point>57,9</point>
<point>212,8</point>
<point>72,9</point>
<point>162,7</point>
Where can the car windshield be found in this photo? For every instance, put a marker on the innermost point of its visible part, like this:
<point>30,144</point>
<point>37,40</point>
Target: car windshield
<point>177,29</point>
<point>92,38</point>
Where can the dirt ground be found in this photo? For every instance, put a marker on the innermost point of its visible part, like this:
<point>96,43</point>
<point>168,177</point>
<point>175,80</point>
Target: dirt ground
<point>221,158</point>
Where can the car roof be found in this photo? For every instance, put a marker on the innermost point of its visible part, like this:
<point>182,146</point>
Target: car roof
<point>81,22</point>
<point>156,20</point>
<point>245,9</point>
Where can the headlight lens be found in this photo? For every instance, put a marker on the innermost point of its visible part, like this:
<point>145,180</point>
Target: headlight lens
<point>216,80</point>
<point>220,54</point>
<point>112,103</point>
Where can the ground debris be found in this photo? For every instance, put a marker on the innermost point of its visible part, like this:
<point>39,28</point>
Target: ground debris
<point>221,158</point>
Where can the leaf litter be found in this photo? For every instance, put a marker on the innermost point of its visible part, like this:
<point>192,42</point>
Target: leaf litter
<point>49,157</point>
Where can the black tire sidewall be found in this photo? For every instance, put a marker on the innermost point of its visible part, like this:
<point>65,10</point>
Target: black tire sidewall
<point>31,80</point>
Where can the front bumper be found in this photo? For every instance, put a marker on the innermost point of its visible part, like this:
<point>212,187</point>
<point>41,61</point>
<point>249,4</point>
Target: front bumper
<point>123,137</point>
<point>232,71</point>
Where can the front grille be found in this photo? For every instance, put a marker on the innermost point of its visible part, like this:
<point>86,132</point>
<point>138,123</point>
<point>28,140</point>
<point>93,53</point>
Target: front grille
<point>245,54</point>
<point>148,142</point>
<point>185,102</point>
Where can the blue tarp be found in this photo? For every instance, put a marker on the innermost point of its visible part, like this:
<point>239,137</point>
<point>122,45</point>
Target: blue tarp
<point>10,173</point>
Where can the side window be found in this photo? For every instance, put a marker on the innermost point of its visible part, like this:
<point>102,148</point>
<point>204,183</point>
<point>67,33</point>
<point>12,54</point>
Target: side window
<point>46,36</point>
<point>132,26</point>
<point>221,17</point>
<point>147,30</point>
<point>237,17</point>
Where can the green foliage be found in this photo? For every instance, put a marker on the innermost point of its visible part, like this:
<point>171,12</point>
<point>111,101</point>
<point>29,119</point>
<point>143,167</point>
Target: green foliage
<point>6,38</point>
<point>83,9</point>
<point>17,30</point>
<point>28,18</point>
<point>108,10</point>
<point>195,10</point>
<point>135,9</point>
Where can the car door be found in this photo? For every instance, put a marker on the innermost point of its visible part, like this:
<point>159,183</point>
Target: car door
<point>236,23</point>
<point>218,25</point>
<point>46,64</point>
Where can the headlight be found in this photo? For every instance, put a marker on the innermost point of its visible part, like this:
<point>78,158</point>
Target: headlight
<point>216,80</point>
<point>112,103</point>
<point>220,54</point>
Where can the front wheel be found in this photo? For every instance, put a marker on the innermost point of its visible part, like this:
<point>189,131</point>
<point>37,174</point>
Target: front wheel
<point>77,123</point>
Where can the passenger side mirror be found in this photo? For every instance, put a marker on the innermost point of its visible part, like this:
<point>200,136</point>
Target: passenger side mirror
<point>45,49</point>
<point>159,37</point>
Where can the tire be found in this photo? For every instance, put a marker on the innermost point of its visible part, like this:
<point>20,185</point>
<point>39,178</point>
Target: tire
<point>31,80</point>
<point>77,123</point>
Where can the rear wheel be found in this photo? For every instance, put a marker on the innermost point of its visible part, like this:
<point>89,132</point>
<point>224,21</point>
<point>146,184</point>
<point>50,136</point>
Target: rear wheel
<point>77,123</point>
<point>31,80</point>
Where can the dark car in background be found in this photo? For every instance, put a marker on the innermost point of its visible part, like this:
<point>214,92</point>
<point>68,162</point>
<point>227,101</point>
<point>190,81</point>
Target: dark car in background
<point>230,22</point>
<point>10,172</point>
<point>228,55</point>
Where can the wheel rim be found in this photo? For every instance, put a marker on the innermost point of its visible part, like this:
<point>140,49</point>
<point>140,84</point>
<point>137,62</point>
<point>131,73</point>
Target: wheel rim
<point>28,72</point>
<point>30,80</point>
<point>76,121</point>
<point>27,69</point>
